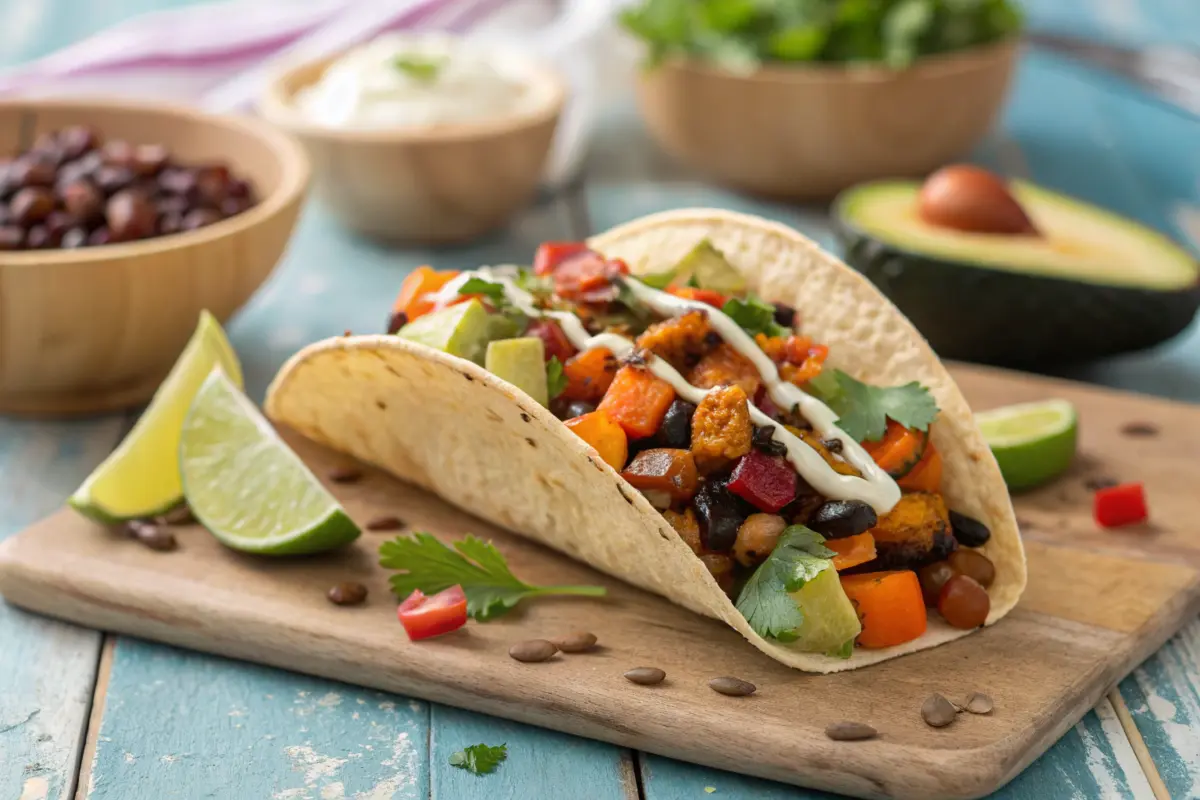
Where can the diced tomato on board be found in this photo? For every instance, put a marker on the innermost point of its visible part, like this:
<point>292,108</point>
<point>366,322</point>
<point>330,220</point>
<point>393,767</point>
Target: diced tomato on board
<point>1125,504</point>
<point>425,617</point>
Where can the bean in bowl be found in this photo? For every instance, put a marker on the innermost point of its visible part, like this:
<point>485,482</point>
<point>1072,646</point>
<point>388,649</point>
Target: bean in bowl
<point>71,189</point>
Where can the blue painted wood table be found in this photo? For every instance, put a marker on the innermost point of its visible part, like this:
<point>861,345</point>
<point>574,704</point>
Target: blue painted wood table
<point>111,718</point>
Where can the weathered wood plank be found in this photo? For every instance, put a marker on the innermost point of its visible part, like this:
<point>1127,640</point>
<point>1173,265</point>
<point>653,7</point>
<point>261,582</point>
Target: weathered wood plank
<point>540,763</point>
<point>46,667</point>
<point>181,726</point>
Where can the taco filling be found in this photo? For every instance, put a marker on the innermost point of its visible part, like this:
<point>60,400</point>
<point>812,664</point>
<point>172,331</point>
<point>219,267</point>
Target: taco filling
<point>813,499</point>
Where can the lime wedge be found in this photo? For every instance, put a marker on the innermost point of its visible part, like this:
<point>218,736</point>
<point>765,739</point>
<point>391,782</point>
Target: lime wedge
<point>830,620</point>
<point>1032,442</point>
<point>246,486</point>
<point>141,477</point>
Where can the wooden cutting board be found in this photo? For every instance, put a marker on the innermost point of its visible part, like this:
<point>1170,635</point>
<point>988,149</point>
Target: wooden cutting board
<point>1098,603</point>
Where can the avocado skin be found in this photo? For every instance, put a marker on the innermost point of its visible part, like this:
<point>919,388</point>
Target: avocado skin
<point>1010,319</point>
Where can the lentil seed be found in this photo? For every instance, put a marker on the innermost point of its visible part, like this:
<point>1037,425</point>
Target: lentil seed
<point>979,703</point>
<point>179,515</point>
<point>646,676</point>
<point>733,687</point>
<point>575,642</point>
<point>533,651</point>
<point>152,536</point>
<point>345,475</point>
<point>1140,429</point>
<point>348,593</point>
<point>846,731</point>
<point>937,711</point>
<point>385,523</point>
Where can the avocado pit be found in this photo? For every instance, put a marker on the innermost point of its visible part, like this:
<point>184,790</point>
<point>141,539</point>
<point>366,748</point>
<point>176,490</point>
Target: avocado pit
<point>969,198</point>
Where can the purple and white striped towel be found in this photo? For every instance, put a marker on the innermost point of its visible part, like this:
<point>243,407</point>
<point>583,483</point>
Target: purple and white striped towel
<point>219,55</point>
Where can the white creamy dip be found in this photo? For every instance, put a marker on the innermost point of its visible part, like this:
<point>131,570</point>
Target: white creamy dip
<point>875,487</point>
<point>407,81</point>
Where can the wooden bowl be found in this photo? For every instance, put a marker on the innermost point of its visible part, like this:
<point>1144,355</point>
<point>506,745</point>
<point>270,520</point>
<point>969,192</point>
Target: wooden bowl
<point>809,132</point>
<point>96,329</point>
<point>435,185</point>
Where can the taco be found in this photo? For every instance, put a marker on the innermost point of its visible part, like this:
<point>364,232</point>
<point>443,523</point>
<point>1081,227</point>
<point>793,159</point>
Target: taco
<point>703,404</point>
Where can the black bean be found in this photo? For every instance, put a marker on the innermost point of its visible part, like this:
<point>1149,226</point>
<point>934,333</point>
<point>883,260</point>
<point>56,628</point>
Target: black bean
<point>832,445</point>
<point>40,237</point>
<point>101,235</point>
<point>846,731</point>
<point>575,642</point>
<point>12,237</point>
<point>396,321</point>
<point>75,140</point>
<point>31,204</point>
<point>199,218</point>
<point>577,408</point>
<point>720,514</point>
<point>350,593</point>
<point>734,687</point>
<point>764,440</point>
<point>130,215</point>
<point>835,519</point>
<point>646,676</point>
<point>676,429</point>
<point>943,545</point>
<point>968,531</point>
<point>82,200</point>
<point>74,237</point>
<point>533,650</point>
<point>937,711</point>
<point>112,179</point>
<point>785,315</point>
<point>29,171</point>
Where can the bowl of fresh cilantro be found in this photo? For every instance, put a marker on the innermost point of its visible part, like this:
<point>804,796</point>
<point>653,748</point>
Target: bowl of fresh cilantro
<point>801,98</point>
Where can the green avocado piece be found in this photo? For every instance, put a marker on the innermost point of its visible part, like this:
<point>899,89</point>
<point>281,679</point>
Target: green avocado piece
<point>1092,285</point>
<point>705,266</point>
<point>830,620</point>
<point>462,330</point>
<point>521,362</point>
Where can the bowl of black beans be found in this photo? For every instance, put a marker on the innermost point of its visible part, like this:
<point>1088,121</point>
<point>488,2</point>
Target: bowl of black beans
<point>119,223</point>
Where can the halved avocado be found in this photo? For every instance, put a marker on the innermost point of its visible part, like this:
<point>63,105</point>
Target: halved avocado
<point>1093,284</point>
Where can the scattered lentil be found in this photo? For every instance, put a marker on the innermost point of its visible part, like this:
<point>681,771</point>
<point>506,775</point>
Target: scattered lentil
<point>734,687</point>
<point>937,711</point>
<point>348,593</point>
<point>1096,484</point>
<point>575,642</point>
<point>385,523</point>
<point>1140,429</point>
<point>846,731</point>
<point>979,703</point>
<point>179,515</point>
<point>533,650</point>
<point>345,475</point>
<point>646,676</point>
<point>152,536</point>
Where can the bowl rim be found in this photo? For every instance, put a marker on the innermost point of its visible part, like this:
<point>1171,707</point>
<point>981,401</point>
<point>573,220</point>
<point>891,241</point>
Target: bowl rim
<point>293,161</point>
<point>936,65</point>
<point>276,104</point>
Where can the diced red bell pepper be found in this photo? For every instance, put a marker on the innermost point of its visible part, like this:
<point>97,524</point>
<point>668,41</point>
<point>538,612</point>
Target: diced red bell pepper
<point>588,278</point>
<point>425,617</point>
<point>556,343</point>
<point>712,298</point>
<point>1125,504</point>
<point>767,482</point>
<point>551,254</point>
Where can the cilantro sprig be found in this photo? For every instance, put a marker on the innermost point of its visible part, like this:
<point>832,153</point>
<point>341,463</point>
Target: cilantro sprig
<point>489,289</point>
<point>556,379</point>
<point>480,759</point>
<point>477,566</point>
<point>800,556</point>
<point>754,316</point>
<point>863,410</point>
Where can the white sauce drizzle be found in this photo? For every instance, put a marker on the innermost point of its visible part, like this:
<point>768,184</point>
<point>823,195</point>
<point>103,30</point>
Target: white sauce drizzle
<point>875,487</point>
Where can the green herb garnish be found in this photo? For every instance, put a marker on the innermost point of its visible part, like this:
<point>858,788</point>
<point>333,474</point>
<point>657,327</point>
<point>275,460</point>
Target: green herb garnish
<point>843,652</point>
<point>799,557</point>
<point>556,380</point>
<point>863,410</point>
<point>473,564</point>
<point>474,285</point>
<point>479,758</point>
<point>754,316</point>
<point>742,34</point>
<point>420,68</point>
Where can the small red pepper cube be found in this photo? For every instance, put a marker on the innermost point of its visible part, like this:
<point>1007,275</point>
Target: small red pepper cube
<point>425,617</point>
<point>556,343</point>
<point>1114,506</point>
<point>551,254</point>
<point>766,482</point>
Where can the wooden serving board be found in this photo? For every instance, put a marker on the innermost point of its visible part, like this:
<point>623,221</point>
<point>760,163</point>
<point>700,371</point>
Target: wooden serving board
<point>1098,603</point>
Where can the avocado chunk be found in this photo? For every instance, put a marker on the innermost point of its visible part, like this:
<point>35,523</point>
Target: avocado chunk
<point>703,267</point>
<point>521,362</point>
<point>1093,284</point>
<point>462,330</point>
<point>830,620</point>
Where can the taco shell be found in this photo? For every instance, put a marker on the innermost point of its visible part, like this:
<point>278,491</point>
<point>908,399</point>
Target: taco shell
<point>451,427</point>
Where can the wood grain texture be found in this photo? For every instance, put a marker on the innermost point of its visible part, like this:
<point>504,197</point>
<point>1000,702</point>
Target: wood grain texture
<point>96,329</point>
<point>1045,668</point>
<point>448,185</point>
<point>46,666</point>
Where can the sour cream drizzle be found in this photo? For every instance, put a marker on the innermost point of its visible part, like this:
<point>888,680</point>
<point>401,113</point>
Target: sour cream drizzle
<point>875,487</point>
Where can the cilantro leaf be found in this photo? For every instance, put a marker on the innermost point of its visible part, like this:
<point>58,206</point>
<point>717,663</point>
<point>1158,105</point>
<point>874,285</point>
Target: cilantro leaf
<point>863,410</point>
<point>540,286</point>
<point>491,588</point>
<point>479,758</point>
<point>754,316</point>
<point>476,285</point>
<point>556,380</point>
<point>843,652</point>
<point>799,557</point>
<point>420,68</point>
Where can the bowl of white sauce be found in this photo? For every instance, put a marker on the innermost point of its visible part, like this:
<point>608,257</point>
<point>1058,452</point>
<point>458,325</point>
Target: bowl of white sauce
<point>422,138</point>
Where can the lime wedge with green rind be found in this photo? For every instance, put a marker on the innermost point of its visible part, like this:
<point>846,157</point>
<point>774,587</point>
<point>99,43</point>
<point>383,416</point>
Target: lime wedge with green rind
<point>247,486</point>
<point>829,617</point>
<point>141,477</point>
<point>1033,442</point>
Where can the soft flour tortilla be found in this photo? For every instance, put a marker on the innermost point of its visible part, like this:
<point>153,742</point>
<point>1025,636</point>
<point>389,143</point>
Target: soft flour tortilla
<point>449,426</point>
